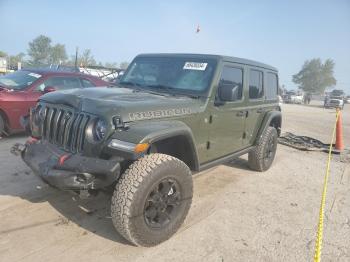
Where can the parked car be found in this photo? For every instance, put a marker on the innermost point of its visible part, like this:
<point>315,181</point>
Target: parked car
<point>280,102</point>
<point>172,115</point>
<point>336,99</point>
<point>334,102</point>
<point>19,91</point>
<point>347,100</point>
<point>293,97</point>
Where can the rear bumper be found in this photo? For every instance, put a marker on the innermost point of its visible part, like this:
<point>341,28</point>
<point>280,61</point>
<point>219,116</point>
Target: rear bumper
<point>69,172</point>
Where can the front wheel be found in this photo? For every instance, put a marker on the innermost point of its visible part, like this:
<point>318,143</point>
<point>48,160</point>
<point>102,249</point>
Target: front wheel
<point>151,199</point>
<point>261,158</point>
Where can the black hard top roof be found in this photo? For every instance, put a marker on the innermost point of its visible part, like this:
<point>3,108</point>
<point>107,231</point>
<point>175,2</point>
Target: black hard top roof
<point>217,57</point>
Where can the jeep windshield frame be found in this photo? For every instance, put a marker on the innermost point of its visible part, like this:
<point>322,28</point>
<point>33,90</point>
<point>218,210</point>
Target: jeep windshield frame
<point>172,75</point>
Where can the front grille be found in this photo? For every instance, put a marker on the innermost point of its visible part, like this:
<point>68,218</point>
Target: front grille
<point>65,128</point>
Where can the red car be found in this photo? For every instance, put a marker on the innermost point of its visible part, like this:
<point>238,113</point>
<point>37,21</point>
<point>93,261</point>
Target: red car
<point>20,91</point>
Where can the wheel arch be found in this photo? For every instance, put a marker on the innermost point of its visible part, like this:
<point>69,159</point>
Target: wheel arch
<point>271,118</point>
<point>173,138</point>
<point>179,145</point>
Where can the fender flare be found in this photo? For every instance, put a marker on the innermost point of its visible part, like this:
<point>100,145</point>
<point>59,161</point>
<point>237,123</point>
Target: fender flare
<point>154,131</point>
<point>269,117</point>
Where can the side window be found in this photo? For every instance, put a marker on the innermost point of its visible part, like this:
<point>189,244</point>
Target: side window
<point>272,86</point>
<point>70,82</point>
<point>52,81</point>
<point>63,83</point>
<point>255,84</point>
<point>87,83</point>
<point>231,84</point>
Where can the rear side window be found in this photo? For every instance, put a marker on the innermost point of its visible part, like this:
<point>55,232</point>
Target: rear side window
<point>63,83</point>
<point>255,84</point>
<point>232,76</point>
<point>87,83</point>
<point>272,86</point>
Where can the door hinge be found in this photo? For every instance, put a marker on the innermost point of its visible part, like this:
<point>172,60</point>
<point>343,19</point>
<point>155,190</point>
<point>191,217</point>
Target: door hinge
<point>244,135</point>
<point>208,144</point>
<point>210,119</point>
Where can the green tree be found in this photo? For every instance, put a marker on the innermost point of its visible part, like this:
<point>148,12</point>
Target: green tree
<point>2,54</point>
<point>39,50</point>
<point>86,58</point>
<point>57,54</point>
<point>315,77</point>
<point>13,60</point>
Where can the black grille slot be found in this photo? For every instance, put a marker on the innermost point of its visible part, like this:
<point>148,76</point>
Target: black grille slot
<point>65,128</point>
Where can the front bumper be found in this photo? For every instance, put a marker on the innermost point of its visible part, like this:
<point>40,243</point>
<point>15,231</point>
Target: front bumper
<point>68,171</point>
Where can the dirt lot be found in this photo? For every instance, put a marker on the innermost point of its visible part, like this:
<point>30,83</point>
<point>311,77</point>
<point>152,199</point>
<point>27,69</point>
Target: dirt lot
<point>236,215</point>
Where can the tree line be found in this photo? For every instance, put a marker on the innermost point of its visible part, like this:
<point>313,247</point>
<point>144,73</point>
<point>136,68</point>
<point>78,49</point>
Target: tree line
<point>42,51</point>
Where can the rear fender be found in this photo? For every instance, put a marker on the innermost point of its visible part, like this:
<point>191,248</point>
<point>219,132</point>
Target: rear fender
<point>271,118</point>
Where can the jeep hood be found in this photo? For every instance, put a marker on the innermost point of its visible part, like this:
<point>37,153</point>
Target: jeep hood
<point>127,103</point>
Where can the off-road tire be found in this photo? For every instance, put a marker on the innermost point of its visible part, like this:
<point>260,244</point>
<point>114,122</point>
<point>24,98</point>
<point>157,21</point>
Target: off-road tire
<point>258,159</point>
<point>2,125</point>
<point>132,189</point>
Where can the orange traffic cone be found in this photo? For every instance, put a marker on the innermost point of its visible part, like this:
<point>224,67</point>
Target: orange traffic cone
<point>339,145</point>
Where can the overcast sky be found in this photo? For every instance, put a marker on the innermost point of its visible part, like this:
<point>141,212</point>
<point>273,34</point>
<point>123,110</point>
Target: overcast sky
<point>274,32</point>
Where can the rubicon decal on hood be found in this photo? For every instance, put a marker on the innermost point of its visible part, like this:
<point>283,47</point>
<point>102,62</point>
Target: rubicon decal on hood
<point>159,113</point>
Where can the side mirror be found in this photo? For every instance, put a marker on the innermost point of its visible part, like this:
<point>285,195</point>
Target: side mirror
<point>49,89</point>
<point>229,92</point>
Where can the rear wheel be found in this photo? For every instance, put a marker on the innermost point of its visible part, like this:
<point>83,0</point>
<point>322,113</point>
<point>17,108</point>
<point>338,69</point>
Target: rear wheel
<point>261,158</point>
<point>151,199</point>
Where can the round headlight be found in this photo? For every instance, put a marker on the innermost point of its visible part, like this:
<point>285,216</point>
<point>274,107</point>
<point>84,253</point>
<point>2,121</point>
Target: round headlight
<point>100,130</point>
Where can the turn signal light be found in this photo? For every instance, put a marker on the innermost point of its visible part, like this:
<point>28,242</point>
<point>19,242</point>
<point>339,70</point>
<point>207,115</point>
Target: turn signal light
<point>140,148</point>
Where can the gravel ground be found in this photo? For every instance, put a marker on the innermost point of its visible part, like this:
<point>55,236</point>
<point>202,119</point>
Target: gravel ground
<point>236,215</point>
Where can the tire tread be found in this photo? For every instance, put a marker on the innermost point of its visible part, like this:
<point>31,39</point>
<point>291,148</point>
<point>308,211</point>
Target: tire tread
<point>127,185</point>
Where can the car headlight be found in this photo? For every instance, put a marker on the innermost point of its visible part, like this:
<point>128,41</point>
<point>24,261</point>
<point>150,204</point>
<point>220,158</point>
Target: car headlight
<point>100,130</point>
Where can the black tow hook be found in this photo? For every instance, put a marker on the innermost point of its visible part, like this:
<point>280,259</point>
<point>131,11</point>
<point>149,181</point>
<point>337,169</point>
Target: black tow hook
<point>17,149</point>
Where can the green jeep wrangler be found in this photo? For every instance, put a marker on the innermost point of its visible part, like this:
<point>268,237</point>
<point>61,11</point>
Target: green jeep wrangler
<point>170,115</point>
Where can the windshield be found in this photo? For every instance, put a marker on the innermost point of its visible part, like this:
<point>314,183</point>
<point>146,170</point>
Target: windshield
<point>337,93</point>
<point>18,80</point>
<point>170,74</point>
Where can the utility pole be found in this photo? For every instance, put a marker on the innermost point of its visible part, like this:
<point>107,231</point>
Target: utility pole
<point>76,57</point>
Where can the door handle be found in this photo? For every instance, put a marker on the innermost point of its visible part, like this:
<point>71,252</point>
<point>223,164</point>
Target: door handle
<point>241,113</point>
<point>260,110</point>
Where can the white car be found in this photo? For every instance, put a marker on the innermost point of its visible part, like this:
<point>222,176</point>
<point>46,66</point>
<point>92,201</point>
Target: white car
<point>293,98</point>
<point>332,102</point>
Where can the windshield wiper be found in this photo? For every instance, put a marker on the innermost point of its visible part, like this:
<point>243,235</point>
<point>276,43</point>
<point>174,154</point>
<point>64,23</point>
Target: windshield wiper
<point>170,88</point>
<point>139,88</point>
<point>128,83</point>
<point>160,87</point>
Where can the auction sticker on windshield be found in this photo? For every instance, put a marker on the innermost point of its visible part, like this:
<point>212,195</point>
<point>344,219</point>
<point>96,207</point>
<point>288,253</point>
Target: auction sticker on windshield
<point>195,66</point>
<point>34,75</point>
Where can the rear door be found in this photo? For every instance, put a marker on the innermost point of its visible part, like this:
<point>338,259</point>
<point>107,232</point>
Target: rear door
<point>227,118</point>
<point>255,103</point>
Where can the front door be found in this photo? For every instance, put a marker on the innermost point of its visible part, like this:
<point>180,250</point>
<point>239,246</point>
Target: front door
<point>228,114</point>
